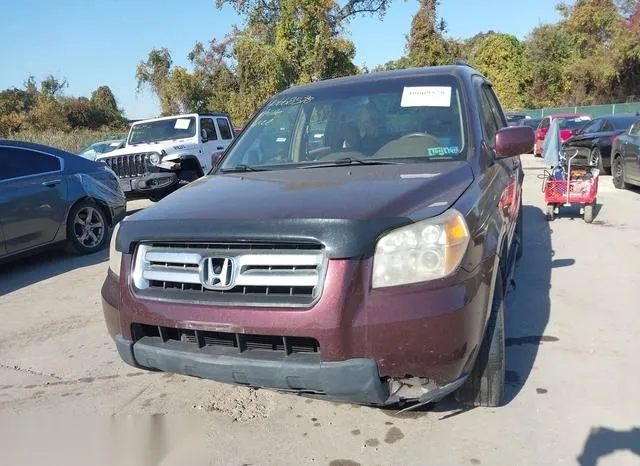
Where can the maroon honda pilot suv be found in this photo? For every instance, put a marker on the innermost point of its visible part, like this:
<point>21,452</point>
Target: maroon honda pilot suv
<point>354,243</point>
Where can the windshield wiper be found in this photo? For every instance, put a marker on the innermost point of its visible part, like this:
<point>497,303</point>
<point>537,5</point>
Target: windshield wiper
<point>350,161</point>
<point>243,168</point>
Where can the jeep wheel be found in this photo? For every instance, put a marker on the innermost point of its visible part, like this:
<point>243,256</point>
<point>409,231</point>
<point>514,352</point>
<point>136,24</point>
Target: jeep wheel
<point>485,385</point>
<point>86,228</point>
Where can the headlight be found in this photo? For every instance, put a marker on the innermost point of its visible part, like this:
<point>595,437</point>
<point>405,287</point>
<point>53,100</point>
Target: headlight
<point>115,257</point>
<point>154,159</point>
<point>426,250</point>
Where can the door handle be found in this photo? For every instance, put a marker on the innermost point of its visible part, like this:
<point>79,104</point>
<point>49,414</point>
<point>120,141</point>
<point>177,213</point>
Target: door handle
<point>219,148</point>
<point>51,183</point>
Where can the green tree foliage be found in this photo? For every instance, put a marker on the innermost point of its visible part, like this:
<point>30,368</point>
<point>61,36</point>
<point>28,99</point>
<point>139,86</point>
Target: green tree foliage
<point>503,60</point>
<point>44,108</point>
<point>426,45</point>
<point>283,43</point>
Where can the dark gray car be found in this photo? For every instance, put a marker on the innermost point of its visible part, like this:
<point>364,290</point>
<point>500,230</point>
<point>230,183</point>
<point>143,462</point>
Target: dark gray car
<point>625,161</point>
<point>48,197</point>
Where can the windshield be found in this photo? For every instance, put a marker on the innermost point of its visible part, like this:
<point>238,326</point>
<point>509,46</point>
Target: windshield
<point>416,120</point>
<point>572,123</point>
<point>514,118</point>
<point>163,130</point>
<point>533,122</point>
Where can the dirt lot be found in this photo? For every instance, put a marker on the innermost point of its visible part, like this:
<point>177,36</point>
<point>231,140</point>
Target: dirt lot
<point>573,379</point>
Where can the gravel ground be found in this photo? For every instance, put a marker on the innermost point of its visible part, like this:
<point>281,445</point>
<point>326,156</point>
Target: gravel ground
<point>573,393</point>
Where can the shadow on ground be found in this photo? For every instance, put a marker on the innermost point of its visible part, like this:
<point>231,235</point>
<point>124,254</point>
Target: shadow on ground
<point>25,271</point>
<point>604,441</point>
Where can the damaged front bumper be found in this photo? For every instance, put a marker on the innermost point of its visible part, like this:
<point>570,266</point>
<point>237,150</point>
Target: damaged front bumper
<point>354,380</point>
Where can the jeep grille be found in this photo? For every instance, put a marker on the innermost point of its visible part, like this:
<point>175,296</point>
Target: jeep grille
<point>129,166</point>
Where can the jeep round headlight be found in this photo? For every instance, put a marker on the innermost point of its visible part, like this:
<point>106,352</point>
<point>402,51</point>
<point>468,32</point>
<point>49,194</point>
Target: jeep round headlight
<point>115,256</point>
<point>154,159</point>
<point>426,250</point>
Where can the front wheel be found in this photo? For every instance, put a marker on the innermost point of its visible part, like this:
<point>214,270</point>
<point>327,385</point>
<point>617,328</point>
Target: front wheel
<point>86,228</point>
<point>485,385</point>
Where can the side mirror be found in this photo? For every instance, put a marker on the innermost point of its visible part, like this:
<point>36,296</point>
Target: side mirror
<point>514,140</point>
<point>204,135</point>
<point>216,158</point>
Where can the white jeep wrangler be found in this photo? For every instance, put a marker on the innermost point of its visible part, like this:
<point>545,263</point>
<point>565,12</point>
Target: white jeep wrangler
<point>162,154</point>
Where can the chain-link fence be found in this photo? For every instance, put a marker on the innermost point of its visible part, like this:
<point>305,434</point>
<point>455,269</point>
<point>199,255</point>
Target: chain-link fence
<point>593,110</point>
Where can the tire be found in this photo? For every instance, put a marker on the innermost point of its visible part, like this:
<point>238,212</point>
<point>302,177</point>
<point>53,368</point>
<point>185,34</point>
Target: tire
<point>589,212</point>
<point>485,385</point>
<point>83,238</point>
<point>595,158</point>
<point>550,212</point>
<point>617,173</point>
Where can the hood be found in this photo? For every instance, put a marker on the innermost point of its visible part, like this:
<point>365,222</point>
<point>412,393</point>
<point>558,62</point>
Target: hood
<point>345,208</point>
<point>178,146</point>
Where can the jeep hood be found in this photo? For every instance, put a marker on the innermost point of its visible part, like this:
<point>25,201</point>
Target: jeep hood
<point>344,208</point>
<point>170,147</point>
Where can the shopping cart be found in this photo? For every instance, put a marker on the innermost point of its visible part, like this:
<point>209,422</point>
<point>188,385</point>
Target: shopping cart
<point>578,186</point>
<point>568,182</point>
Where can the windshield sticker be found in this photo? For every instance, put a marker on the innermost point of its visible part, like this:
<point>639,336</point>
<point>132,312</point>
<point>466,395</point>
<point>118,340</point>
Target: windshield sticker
<point>426,96</point>
<point>114,144</point>
<point>182,123</point>
<point>295,100</point>
<point>435,151</point>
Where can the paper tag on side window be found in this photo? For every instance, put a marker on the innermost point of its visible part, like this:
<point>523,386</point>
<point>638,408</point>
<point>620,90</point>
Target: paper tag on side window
<point>182,123</point>
<point>426,96</point>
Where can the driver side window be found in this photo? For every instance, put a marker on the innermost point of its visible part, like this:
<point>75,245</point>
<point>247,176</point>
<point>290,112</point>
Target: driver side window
<point>207,125</point>
<point>635,129</point>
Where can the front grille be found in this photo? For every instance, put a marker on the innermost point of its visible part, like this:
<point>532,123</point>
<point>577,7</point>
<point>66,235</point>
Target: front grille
<point>241,342</point>
<point>263,274</point>
<point>129,166</point>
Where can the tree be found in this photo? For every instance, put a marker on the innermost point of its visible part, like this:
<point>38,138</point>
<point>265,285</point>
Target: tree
<point>549,50</point>
<point>155,73</point>
<point>104,108</point>
<point>52,87</point>
<point>502,59</point>
<point>426,45</point>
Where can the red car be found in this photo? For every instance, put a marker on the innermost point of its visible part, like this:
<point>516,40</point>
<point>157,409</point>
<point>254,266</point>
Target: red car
<point>570,122</point>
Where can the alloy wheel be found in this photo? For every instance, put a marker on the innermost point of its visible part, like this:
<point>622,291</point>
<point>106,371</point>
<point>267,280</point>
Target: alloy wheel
<point>88,227</point>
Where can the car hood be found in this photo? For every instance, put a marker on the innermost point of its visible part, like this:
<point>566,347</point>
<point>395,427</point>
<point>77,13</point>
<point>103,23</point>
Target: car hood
<point>170,147</point>
<point>337,206</point>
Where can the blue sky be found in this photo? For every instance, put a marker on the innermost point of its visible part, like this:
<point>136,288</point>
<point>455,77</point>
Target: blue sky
<point>91,43</point>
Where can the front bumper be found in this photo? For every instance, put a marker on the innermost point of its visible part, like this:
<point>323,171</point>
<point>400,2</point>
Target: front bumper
<point>368,339</point>
<point>149,183</point>
<point>354,380</point>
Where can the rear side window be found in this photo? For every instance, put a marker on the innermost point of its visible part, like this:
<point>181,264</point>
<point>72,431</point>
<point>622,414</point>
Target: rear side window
<point>225,128</point>
<point>16,162</point>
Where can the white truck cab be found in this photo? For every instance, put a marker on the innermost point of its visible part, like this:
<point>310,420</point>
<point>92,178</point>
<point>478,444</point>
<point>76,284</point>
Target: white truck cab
<point>161,154</point>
